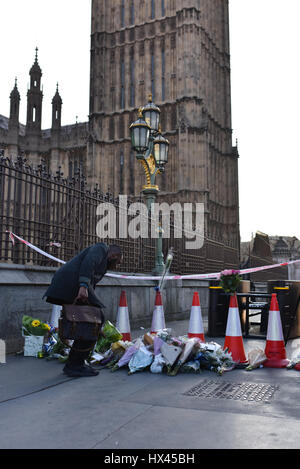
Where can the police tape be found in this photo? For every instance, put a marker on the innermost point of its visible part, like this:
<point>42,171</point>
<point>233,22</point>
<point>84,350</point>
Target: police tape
<point>214,276</point>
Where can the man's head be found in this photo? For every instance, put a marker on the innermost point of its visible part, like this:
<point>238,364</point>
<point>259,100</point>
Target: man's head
<point>114,256</point>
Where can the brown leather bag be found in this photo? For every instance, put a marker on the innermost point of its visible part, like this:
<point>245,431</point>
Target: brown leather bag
<point>80,322</point>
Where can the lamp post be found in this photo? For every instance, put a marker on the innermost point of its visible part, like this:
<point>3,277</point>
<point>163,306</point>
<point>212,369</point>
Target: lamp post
<point>152,151</point>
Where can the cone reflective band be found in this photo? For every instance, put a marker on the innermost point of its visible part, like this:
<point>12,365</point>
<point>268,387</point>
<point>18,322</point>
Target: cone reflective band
<point>275,348</point>
<point>158,318</point>
<point>234,339</point>
<point>196,323</point>
<point>123,324</point>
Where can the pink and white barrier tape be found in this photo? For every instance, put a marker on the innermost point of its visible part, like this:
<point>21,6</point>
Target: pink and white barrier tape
<point>215,275</point>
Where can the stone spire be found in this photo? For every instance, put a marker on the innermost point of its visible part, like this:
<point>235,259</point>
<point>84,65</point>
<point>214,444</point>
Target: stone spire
<point>14,107</point>
<point>56,110</point>
<point>34,99</point>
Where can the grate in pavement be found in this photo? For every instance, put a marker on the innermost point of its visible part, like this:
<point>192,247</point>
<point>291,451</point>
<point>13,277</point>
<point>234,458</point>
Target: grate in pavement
<point>253,392</point>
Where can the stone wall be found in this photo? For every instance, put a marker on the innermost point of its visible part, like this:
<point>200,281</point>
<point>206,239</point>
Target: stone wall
<point>22,288</point>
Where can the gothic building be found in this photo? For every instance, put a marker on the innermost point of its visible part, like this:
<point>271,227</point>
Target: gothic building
<point>63,146</point>
<point>177,50</point>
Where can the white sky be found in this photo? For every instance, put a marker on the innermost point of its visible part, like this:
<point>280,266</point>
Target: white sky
<point>265,79</point>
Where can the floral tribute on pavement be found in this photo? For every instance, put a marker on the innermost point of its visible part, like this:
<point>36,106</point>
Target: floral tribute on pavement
<point>162,353</point>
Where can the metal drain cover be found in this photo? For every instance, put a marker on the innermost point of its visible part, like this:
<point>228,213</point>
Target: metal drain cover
<point>208,389</point>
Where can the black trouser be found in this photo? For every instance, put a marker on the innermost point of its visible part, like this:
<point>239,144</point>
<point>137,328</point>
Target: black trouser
<point>80,352</point>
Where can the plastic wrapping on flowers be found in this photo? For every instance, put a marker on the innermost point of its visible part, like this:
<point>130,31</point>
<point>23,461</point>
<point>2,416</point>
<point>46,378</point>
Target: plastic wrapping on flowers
<point>161,352</point>
<point>295,359</point>
<point>185,354</point>
<point>230,280</point>
<point>212,357</point>
<point>140,360</point>
<point>125,358</point>
<point>110,334</point>
<point>52,346</point>
<point>256,358</point>
<point>32,326</point>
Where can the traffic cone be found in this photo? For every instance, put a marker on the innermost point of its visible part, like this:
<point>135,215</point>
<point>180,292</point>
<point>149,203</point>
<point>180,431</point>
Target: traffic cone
<point>123,318</point>
<point>275,348</point>
<point>196,323</point>
<point>234,338</point>
<point>158,318</point>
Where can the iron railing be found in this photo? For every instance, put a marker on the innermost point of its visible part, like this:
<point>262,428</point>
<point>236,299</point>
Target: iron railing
<point>59,216</point>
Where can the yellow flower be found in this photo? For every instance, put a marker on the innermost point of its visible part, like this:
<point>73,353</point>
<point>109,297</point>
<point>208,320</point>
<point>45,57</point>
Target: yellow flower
<point>35,323</point>
<point>46,326</point>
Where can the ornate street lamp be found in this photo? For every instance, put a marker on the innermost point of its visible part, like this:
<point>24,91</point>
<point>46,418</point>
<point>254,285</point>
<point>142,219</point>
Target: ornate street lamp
<point>152,151</point>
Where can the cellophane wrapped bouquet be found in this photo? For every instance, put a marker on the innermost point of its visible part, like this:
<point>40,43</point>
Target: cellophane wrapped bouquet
<point>164,353</point>
<point>230,280</point>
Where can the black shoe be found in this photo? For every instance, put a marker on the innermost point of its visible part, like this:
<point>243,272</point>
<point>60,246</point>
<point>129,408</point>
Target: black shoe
<point>79,371</point>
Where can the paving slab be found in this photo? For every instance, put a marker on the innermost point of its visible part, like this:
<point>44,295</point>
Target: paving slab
<point>42,408</point>
<point>172,428</point>
<point>24,375</point>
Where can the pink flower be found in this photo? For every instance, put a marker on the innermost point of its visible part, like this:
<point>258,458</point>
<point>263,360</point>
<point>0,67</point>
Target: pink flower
<point>230,272</point>
<point>227,272</point>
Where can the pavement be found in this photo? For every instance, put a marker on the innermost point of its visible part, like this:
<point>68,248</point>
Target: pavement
<point>42,408</point>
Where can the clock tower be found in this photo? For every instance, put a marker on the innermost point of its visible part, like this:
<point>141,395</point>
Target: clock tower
<point>177,50</point>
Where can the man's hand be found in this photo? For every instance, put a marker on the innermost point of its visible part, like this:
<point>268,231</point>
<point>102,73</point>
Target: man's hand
<point>82,296</point>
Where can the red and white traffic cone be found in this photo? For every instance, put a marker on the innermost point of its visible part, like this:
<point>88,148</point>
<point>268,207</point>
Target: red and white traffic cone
<point>196,323</point>
<point>275,348</point>
<point>123,324</point>
<point>234,338</point>
<point>158,318</point>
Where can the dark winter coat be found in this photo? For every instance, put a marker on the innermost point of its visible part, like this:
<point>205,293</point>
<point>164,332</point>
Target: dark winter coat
<point>87,267</point>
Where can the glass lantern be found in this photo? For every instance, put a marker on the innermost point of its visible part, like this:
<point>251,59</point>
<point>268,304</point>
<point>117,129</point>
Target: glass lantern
<point>151,114</point>
<point>140,133</point>
<point>161,149</point>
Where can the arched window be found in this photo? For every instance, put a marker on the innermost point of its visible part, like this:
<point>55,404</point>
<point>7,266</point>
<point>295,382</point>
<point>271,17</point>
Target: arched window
<point>132,12</point>
<point>163,10</point>
<point>123,14</point>
<point>121,190</point>
<point>121,126</point>
<point>152,9</point>
<point>111,128</point>
<point>122,73</point>
<point>132,81</point>
<point>163,66</point>
<point>152,75</point>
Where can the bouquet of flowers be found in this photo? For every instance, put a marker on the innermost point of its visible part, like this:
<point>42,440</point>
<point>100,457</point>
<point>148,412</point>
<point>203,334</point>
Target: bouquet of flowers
<point>167,353</point>
<point>35,333</point>
<point>185,354</point>
<point>110,334</point>
<point>141,360</point>
<point>230,280</point>
<point>212,357</point>
<point>54,348</point>
<point>125,358</point>
<point>33,326</point>
<point>256,358</point>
